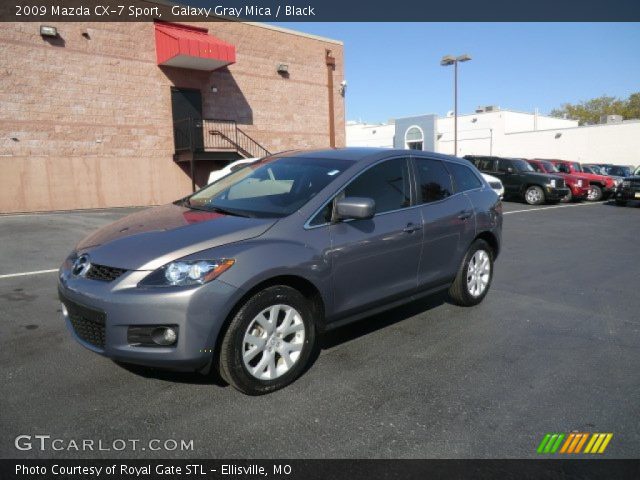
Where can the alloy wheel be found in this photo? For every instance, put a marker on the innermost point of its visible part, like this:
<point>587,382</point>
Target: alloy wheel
<point>533,196</point>
<point>478,273</point>
<point>273,342</point>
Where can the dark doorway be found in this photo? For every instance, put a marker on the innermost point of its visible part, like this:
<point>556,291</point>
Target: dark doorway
<point>186,105</point>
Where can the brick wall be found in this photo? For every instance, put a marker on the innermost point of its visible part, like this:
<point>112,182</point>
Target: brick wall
<point>86,122</point>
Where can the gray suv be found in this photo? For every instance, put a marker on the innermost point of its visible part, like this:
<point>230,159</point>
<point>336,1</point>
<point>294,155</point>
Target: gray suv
<point>244,274</point>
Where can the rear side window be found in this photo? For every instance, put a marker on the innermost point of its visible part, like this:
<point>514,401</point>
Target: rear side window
<point>434,181</point>
<point>463,177</point>
<point>387,183</point>
<point>484,164</point>
<point>503,165</point>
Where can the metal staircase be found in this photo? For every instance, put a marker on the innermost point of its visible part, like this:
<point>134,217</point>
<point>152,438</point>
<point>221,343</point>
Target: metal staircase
<point>195,138</point>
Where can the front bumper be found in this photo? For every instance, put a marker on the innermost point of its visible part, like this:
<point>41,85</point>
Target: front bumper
<point>553,193</point>
<point>579,193</point>
<point>628,193</point>
<point>198,313</point>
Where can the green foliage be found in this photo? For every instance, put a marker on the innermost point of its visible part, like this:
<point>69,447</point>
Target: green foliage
<point>589,112</point>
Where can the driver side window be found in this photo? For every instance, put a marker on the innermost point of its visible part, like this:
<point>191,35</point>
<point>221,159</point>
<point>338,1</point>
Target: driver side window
<point>387,183</point>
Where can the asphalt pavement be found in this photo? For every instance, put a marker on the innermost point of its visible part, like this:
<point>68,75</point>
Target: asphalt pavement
<point>553,348</point>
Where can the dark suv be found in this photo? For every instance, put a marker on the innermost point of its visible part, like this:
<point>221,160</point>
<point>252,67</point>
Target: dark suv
<point>520,180</point>
<point>629,189</point>
<point>242,274</point>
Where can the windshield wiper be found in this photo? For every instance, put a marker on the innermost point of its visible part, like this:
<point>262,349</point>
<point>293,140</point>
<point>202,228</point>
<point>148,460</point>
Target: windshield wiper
<point>225,211</point>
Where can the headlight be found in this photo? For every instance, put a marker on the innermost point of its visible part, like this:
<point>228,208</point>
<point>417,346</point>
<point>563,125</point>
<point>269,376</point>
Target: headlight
<point>618,181</point>
<point>552,183</point>
<point>580,183</point>
<point>181,274</point>
<point>626,183</point>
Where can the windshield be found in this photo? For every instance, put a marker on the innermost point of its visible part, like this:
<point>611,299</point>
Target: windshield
<point>272,187</point>
<point>522,165</point>
<point>577,167</point>
<point>550,167</point>
<point>618,171</point>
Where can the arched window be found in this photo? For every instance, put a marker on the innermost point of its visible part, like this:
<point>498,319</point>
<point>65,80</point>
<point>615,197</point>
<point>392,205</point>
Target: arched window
<point>414,138</point>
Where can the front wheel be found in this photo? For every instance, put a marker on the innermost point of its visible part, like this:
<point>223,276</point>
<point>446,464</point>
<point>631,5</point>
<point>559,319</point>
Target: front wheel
<point>534,195</point>
<point>268,342</point>
<point>567,198</point>
<point>621,203</point>
<point>474,276</point>
<point>595,193</point>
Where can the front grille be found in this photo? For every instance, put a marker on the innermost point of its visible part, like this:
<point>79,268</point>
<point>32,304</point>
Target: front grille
<point>560,183</point>
<point>87,323</point>
<point>104,273</point>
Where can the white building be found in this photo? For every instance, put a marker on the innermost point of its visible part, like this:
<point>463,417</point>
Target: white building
<point>492,131</point>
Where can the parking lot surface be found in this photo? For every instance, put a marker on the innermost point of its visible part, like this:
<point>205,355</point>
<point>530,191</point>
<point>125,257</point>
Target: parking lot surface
<point>553,348</point>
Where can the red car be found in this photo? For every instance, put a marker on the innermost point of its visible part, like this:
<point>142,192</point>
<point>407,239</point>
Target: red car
<point>578,187</point>
<point>602,186</point>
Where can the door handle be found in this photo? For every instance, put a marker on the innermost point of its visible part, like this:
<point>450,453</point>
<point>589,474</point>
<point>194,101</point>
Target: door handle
<point>411,227</point>
<point>465,214</point>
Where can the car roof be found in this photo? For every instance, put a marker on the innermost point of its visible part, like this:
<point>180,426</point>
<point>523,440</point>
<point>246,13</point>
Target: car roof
<point>356,154</point>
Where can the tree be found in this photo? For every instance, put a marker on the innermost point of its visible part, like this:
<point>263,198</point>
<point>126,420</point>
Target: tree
<point>589,112</point>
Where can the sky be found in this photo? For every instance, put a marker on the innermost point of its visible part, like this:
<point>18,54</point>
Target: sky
<point>393,69</point>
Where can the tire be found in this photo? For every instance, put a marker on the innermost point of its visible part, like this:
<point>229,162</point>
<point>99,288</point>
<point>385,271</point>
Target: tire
<point>595,193</point>
<point>621,203</point>
<point>461,291</point>
<point>252,331</point>
<point>568,198</point>
<point>534,195</point>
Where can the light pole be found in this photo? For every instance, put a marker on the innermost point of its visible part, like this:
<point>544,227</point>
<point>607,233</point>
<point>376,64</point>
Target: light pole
<point>446,61</point>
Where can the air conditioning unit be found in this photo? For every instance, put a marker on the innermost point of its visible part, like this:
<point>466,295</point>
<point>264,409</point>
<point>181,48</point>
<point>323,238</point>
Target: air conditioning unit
<point>487,108</point>
<point>611,119</point>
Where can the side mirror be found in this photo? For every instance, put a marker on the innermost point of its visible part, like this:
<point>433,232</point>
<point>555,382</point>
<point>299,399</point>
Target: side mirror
<point>357,208</point>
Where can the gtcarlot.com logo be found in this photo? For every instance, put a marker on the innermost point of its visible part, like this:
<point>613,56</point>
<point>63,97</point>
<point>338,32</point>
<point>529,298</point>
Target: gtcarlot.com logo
<point>46,443</point>
<point>572,443</point>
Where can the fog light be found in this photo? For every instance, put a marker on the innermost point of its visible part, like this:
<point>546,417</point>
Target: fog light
<point>164,336</point>
<point>65,312</point>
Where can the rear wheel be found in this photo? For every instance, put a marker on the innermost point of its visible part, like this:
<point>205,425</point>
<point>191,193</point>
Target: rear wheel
<point>474,275</point>
<point>268,342</point>
<point>534,195</point>
<point>595,193</point>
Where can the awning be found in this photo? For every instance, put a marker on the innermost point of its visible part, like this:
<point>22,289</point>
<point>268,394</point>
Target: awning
<point>191,47</point>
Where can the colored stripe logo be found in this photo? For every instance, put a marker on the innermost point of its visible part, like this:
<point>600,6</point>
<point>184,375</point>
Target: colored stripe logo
<point>571,443</point>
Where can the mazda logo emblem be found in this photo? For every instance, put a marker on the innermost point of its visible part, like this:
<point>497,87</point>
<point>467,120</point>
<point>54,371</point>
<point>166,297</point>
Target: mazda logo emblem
<point>81,266</point>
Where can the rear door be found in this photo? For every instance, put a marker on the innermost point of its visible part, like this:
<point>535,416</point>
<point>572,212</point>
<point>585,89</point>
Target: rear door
<point>377,259</point>
<point>448,222</point>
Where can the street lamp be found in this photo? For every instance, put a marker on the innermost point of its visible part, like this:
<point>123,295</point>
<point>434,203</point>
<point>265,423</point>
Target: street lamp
<point>446,61</point>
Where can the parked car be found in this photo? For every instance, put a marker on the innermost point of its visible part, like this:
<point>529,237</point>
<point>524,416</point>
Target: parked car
<point>521,180</point>
<point>621,171</point>
<point>602,186</point>
<point>495,183</point>
<point>298,243</point>
<point>629,189</point>
<point>232,167</point>
<point>578,188</point>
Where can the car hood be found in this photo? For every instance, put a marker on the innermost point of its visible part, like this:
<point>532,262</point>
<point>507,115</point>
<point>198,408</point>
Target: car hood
<point>151,238</point>
<point>490,178</point>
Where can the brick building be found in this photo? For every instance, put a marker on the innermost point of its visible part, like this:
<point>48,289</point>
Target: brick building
<point>120,114</point>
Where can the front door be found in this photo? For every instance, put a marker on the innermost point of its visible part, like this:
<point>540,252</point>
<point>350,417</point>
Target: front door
<point>512,180</point>
<point>377,259</point>
<point>186,106</point>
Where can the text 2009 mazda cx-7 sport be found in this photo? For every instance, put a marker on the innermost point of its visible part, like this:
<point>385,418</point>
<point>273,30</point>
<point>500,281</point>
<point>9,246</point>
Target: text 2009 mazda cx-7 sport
<point>244,273</point>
